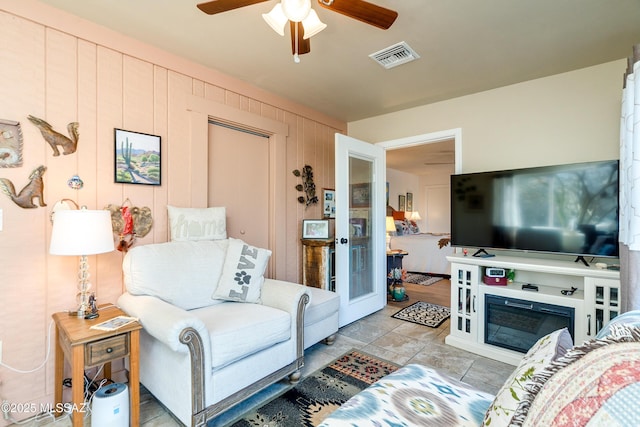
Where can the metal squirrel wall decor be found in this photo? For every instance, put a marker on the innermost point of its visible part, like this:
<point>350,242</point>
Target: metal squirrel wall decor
<point>55,139</point>
<point>34,189</point>
<point>307,186</point>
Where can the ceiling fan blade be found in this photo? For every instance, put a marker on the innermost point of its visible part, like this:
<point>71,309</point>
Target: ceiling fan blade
<point>364,11</point>
<point>218,6</point>
<point>304,46</point>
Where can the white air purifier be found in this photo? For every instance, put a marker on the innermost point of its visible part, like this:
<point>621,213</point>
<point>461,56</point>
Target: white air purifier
<point>110,406</point>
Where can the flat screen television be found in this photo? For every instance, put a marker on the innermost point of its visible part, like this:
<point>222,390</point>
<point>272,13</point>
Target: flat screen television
<point>568,209</point>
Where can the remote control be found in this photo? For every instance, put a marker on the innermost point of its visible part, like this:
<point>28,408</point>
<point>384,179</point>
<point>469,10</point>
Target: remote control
<point>529,287</point>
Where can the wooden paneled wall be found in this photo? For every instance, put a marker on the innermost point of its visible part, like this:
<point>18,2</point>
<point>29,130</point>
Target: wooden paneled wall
<point>48,71</point>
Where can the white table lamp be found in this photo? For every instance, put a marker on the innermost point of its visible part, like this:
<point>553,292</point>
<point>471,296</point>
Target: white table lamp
<point>82,232</point>
<point>391,227</point>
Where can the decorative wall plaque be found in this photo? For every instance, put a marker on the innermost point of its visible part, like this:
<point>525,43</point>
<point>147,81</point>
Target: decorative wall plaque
<point>10,144</point>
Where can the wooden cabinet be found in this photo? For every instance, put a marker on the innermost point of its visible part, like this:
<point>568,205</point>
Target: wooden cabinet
<point>318,263</point>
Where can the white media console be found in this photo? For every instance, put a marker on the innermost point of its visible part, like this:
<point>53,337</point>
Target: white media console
<point>595,301</point>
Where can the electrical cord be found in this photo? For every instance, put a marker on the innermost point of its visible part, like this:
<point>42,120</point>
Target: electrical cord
<point>20,371</point>
<point>42,416</point>
<point>90,388</point>
<point>37,420</point>
<point>90,400</point>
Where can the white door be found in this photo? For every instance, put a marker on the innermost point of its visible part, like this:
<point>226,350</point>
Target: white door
<point>360,228</point>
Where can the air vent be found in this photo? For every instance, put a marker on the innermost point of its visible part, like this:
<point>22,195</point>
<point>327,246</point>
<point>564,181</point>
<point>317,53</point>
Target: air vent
<point>392,56</point>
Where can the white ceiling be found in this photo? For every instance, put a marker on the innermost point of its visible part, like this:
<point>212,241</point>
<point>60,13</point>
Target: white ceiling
<point>419,159</point>
<point>466,46</point>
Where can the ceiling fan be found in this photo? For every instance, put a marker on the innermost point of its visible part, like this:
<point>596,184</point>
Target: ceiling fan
<point>303,21</point>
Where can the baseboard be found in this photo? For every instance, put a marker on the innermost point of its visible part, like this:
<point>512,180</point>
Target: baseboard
<point>485,350</point>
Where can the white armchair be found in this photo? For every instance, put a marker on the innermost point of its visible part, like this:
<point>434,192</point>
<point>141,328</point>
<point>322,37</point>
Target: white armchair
<point>199,356</point>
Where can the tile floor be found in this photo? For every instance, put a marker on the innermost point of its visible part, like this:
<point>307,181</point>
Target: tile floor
<point>380,335</point>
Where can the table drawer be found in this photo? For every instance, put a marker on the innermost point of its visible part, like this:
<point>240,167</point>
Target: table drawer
<point>105,350</point>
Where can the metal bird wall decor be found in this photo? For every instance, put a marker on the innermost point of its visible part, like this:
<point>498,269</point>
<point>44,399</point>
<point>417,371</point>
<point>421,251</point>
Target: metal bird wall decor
<point>55,139</point>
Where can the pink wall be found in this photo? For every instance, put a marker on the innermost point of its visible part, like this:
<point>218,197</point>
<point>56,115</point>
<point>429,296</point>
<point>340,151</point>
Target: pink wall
<point>62,69</point>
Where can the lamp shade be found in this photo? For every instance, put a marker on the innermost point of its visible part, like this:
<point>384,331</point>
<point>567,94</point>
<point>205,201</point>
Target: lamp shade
<point>276,19</point>
<point>81,232</point>
<point>312,25</point>
<point>296,10</point>
<point>415,216</point>
<point>391,225</point>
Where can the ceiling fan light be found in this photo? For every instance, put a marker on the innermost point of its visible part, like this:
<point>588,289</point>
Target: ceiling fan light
<point>276,19</point>
<point>296,10</point>
<point>312,25</point>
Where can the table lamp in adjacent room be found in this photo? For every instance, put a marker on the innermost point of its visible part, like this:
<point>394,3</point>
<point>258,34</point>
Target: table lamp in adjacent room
<point>82,232</point>
<point>391,227</point>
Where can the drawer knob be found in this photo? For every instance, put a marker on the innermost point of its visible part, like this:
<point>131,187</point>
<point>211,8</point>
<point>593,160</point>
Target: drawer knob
<point>109,350</point>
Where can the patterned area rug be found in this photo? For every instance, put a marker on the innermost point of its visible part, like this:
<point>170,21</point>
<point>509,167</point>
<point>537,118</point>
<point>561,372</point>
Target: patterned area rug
<point>421,279</point>
<point>424,313</point>
<point>321,393</point>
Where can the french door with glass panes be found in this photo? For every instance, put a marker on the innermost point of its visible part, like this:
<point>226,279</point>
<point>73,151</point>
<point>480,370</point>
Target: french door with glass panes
<point>360,228</point>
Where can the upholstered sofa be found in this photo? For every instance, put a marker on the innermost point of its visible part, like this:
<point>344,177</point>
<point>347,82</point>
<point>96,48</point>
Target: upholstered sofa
<point>596,383</point>
<point>215,331</point>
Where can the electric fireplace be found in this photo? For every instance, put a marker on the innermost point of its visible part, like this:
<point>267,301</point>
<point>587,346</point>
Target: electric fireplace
<point>517,324</point>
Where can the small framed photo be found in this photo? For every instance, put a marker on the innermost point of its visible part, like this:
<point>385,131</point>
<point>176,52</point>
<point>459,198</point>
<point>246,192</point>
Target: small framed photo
<point>137,158</point>
<point>401,203</point>
<point>315,228</point>
<point>358,227</point>
<point>360,195</point>
<point>409,202</point>
<point>329,202</point>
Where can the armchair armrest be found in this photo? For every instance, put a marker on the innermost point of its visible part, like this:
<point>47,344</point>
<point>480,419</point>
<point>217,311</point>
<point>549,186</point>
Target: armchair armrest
<point>283,295</point>
<point>293,299</point>
<point>163,321</point>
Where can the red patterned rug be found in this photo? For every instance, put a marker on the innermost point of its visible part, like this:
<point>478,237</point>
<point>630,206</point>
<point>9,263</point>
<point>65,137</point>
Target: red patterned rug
<point>320,393</point>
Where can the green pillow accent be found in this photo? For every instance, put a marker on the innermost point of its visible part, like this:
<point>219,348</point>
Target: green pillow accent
<point>543,352</point>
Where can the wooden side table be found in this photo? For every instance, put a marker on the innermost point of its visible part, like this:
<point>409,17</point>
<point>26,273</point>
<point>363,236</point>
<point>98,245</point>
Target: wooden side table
<point>84,348</point>
<point>318,263</point>
<point>394,260</point>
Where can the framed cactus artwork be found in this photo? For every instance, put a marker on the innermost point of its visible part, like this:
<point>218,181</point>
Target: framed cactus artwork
<point>137,158</point>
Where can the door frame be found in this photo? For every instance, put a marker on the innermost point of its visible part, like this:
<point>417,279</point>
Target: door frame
<point>430,138</point>
<point>200,111</point>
